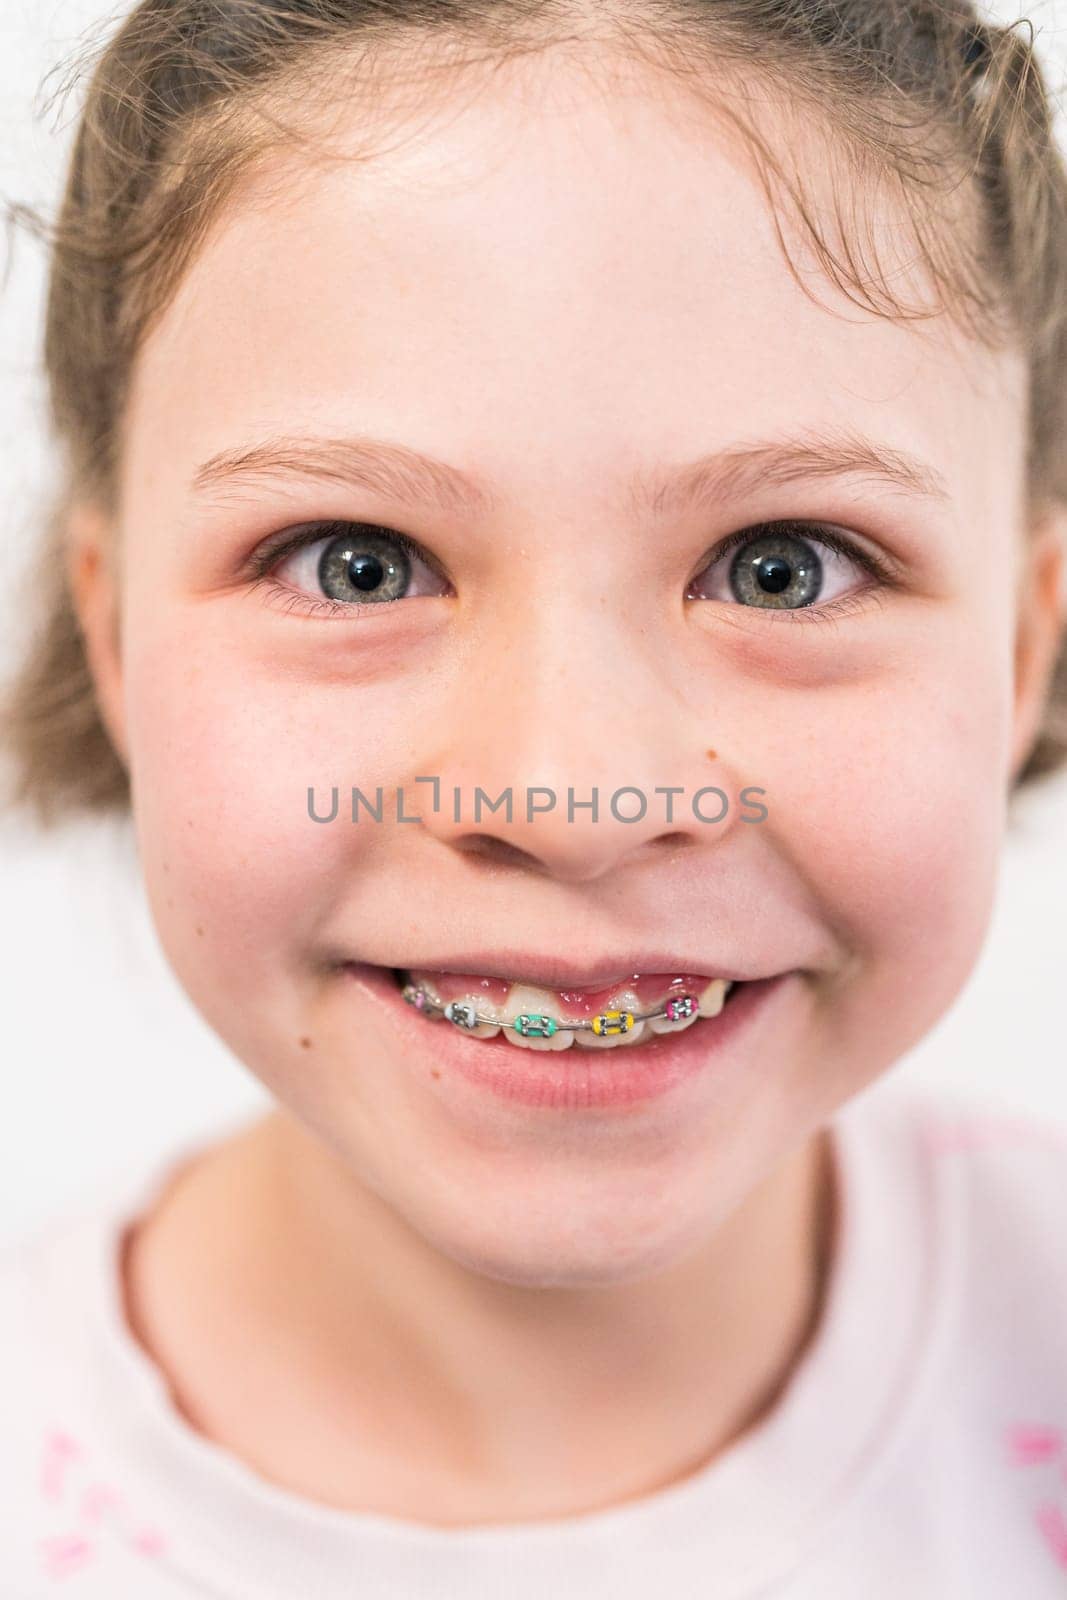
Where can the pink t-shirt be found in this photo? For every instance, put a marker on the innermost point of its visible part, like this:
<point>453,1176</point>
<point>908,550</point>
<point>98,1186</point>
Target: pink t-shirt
<point>919,1449</point>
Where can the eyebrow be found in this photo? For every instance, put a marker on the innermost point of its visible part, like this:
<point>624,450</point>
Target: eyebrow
<point>401,473</point>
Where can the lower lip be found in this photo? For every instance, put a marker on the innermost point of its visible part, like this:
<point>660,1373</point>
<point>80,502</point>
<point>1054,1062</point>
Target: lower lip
<point>575,1078</point>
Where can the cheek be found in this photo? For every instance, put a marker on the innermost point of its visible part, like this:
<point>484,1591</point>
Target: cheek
<point>242,882</point>
<point>893,805</point>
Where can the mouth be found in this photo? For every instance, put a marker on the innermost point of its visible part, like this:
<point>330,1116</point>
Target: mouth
<point>627,1014</point>
<point>566,1068</point>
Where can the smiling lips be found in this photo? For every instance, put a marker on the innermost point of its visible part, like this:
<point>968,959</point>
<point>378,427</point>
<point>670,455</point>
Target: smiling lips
<point>532,1017</point>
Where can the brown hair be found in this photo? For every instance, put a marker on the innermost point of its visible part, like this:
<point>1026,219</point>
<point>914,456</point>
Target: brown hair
<point>949,113</point>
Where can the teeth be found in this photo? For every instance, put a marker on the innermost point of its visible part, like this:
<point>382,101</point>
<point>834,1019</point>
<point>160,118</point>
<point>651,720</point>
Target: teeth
<point>534,1002</point>
<point>713,997</point>
<point>524,997</point>
<point>665,1025</point>
<point>484,1008</point>
<point>618,1000</point>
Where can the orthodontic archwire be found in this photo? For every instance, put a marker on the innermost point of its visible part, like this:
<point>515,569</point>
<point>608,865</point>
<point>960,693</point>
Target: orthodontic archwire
<point>539,1025</point>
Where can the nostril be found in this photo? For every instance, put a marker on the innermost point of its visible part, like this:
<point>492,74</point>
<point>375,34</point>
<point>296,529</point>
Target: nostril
<point>497,851</point>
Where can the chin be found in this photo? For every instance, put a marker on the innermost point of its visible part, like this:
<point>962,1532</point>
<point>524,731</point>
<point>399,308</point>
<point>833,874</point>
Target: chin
<point>575,1250</point>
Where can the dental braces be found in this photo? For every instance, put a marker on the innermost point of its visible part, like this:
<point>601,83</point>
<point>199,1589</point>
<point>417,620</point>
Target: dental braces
<point>538,1025</point>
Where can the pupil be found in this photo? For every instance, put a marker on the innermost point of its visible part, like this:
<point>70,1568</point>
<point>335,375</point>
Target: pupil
<point>365,572</point>
<point>773,574</point>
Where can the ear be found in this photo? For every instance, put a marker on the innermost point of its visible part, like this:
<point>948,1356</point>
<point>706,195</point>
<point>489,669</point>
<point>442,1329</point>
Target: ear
<point>93,579</point>
<point>1042,607</point>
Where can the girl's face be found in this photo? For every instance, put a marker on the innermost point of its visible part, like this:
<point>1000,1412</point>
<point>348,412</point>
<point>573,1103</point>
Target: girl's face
<point>563,300</point>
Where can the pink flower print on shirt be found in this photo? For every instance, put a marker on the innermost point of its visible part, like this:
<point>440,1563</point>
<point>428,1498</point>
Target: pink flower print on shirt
<point>97,1506</point>
<point>1053,1524</point>
<point>1041,1445</point>
<point>1027,1443</point>
<point>65,1553</point>
<point>60,1450</point>
<point>150,1542</point>
<point>98,1498</point>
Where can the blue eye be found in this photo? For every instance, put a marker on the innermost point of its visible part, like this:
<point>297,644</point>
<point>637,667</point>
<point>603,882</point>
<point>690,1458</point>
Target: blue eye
<point>342,568</point>
<point>783,567</point>
<point>347,566</point>
<point>363,565</point>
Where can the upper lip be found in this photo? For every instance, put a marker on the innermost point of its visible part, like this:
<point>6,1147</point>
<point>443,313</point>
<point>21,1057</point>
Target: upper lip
<point>551,972</point>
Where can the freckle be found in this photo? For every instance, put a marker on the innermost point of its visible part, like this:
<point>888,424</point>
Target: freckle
<point>711,755</point>
<point>166,866</point>
<point>305,1044</point>
<point>200,930</point>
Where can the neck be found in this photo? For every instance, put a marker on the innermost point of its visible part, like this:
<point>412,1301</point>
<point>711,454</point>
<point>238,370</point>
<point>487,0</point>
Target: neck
<point>306,1327</point>
<point>633,1386</point>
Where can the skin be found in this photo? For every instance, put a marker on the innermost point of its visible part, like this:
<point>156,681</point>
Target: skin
<point>394,1292</point>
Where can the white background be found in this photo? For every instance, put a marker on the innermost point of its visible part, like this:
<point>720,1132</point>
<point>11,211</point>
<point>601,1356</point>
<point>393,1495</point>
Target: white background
<point>103,1057</point>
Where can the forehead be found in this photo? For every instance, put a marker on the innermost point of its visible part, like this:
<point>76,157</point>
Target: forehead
<point>550,277</point>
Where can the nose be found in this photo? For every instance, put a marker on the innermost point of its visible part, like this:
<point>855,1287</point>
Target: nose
<point>605,764</point>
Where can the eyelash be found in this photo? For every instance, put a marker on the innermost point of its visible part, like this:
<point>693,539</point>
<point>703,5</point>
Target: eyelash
<point>884,573</point>
<point>270,554</point>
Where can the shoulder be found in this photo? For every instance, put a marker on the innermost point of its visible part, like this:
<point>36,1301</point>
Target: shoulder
<point>996,1157</point>
<point>1009,1167</point>
<point>59,1290</point>
<point>40,1438</point>
<point>28,1280</point>
<point>997,1177</point>
<point>949,1340</point>
<point>70,1399</point>
<point>49,1280</point>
